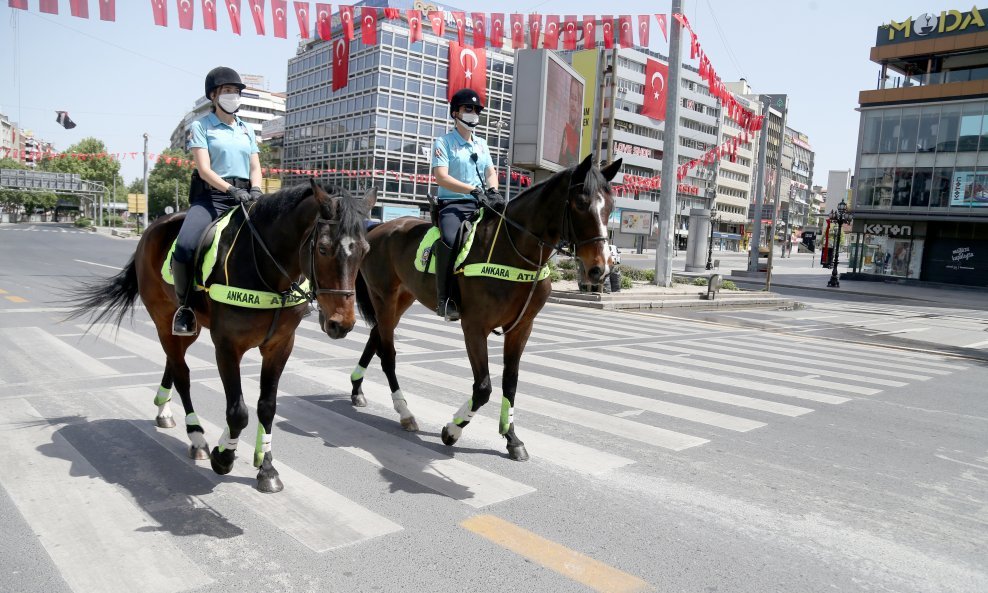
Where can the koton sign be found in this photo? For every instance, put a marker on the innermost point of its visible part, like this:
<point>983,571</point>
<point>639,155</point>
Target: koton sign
<point>892,230</point>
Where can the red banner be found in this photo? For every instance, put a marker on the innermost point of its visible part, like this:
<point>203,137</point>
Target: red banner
<point>79,8</point>
<point>534,29</point>
<point>51,7</point>
<point>467,69</point>
<point>517,31</point>
<point>643,22</point>
<point>302,14</point>
<point>656,76</point>
<point>461,28</point>
<point>346,19</point>
<point>415,25</point>
<point>589,31</point>
<point>257,11</point>
<point>607,23</point>
<point>626,34</point>
<point>208,14</point>
<point>661,18</point>
<point>186,14</point>
<point>550,36</point>
<point>368,25</point>
<point>341,63</point>
<point>479,30</point>
<point>324,22</point>
<point>233,8</point>
<point>279,17</point>
<point>569,32</point>
<point>438,22</point>
<point>497,29</point>
<point>22,4</point>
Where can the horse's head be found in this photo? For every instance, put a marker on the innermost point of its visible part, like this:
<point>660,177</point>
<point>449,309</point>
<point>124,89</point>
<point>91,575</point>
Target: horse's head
<point>588,208</point>
<point>338,245</point>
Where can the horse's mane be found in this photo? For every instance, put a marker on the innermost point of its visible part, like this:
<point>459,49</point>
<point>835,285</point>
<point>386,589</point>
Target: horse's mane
<point>349,212</point>
<point>593,183</point>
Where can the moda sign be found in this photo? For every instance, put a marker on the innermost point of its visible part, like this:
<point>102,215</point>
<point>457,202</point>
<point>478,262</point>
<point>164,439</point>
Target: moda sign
<point>931,24</point>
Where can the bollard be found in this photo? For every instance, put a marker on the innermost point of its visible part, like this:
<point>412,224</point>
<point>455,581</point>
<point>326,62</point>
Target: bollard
<point>713,286</point>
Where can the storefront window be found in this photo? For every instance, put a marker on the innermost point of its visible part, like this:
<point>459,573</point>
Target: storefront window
<point>890,131</point>
<point>883,188</point>
<point>883,255</point>
<point>902,186</point>
<point>922,184</point>
<point>966,187</point>
<point>926,141</point>
<point>872,129</point>
<point>866,186</point>
<point>970,128</point>
<point>947,130</point>
<point>940,191</point>
<point>909,128</point>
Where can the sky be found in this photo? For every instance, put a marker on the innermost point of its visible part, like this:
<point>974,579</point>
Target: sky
<point>121,79</point>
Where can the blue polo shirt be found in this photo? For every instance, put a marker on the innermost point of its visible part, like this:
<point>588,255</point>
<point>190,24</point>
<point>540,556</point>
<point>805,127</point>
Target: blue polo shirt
<point>229,147</point>
<point>453,152</point>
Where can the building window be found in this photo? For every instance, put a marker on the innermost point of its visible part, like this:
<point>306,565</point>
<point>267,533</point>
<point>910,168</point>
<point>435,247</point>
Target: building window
<point>921,187</point>
<point>926,140</point>
<point>890,131</point>
<point>970,131</point>
<point>950,119</point>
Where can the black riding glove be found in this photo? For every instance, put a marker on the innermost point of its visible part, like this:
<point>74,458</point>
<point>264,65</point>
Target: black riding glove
<point>495,200</point>
<point>477,194</point>
<point>240,195</point>
<point>255,193</point>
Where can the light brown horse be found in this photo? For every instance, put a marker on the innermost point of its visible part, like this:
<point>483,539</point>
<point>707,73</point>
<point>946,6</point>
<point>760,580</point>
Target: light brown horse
<point>299,233</point>
<point>569,209</point>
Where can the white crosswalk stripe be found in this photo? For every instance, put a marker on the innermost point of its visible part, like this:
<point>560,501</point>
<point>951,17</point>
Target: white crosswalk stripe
<point>147,348</point>
<point>21,360</point>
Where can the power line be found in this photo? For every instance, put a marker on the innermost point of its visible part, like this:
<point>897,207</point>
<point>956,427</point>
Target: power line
<point>723,38</point>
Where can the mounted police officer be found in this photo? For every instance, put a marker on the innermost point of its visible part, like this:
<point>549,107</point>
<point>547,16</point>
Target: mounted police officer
<point>465,173</point>
<point>228,172</point>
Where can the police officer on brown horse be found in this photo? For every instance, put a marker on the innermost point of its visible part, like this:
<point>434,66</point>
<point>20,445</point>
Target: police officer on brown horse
<point>227,166</point>
<point>465,173</point>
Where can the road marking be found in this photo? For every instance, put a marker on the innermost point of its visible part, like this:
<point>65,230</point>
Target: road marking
<point>15,299</point>
<point>32,353</point>
<point>556,557</point>
<point>900,331</point>
<point>977,344</point>
<point>484,429</point>
<point>92,263</point>
<point>146,348</point>
<point>80,518</point>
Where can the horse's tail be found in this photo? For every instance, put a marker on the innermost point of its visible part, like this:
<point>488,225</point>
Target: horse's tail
<point>103,299</point>
<point>364,304</point>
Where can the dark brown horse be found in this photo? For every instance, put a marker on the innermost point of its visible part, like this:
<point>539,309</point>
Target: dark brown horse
<point>569,209</point>
<point>295,235</point>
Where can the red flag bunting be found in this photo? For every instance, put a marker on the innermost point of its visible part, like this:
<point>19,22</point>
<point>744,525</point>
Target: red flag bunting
<point>79,8</point>
<point>324,15</point>
<point>479,30</point>
<point>51,6</point>
<point>467,69</point>
<point>368,25</point>
<point>643,21</point>
<point>461,27</point>
<point>346,18</point>
<point>607,23</point>
<point>415,25</point>
<point>341,63</point>
<point>233,8</point>
<point>302,14</point>
<point>158,9</point>
<point>22,4</point>
<point>209,14</point>
<point>534,29</point>
<point>656,76</point>
<point>589,31</point>
<point>497,29</point>
<point>438,22</point>
<point>661,18</point>
<point>517,31</point>
<point>186,14</point>
<point>279,17</point>
<point>569,32</point>
<point>550,35</point>
<point>392,13</point>
<point>626,37</point>
<point>257,11</point>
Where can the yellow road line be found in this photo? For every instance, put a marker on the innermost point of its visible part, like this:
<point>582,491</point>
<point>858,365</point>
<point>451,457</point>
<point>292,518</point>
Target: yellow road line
<point>572,565</point>
<point>16,299</point>
<point>2,291</point>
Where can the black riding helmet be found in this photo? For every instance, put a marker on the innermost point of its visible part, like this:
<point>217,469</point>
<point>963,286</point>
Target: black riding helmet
<point>221,75</point>
<point>465,97</point>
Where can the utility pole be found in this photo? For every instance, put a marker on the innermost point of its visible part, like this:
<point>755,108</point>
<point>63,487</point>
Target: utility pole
<point>670,151</point>
<point>756,217</point>
<point>176,195</point>
<point>146,180</point>
<point>778,194</point>
<point>610,124</point>
<point>113,200</point>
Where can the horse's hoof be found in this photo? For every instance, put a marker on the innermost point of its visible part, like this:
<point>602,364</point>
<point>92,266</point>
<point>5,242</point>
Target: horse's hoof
<point>518,453</point>
<point>165,421</point>
<point>198,453</point>
<point>358,400</point>
<point>410,424</point>
<point>269,484</point>
<point>448,439</point>
<point>219,464</point>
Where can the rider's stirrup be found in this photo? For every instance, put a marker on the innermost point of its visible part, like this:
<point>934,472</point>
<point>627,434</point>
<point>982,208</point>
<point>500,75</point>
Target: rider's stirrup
<point>184,322</point>
<point>449,311</point>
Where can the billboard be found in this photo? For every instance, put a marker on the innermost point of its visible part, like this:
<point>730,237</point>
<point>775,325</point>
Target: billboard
<point>548,112</point>
<point>137,203</point>
<point>585,63</point>
<point>636,222</point>
<point>969,189</point>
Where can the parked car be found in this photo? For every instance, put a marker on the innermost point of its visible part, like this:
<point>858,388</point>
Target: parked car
<point>615,254</point>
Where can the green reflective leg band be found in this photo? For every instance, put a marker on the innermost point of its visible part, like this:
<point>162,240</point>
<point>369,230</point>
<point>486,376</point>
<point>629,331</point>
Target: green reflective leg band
<point>163,396</point>
<point>262,446</point>
<point>507,415</point>
<point>464,414</point>
<point>358,373</point>
<point>191,419</point>
<point>226,442</point>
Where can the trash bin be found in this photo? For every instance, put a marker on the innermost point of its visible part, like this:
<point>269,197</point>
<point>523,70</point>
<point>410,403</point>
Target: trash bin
<point>615,280</point>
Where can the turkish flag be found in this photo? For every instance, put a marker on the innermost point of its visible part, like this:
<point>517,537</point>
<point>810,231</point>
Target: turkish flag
<point>438,21</point>
<point>569,32</point>
<point>534,29</point>
<point>324,21</point>
<point>302,14</point>
<point>414,25</point>
<point>467,69</point>
<point>79,8</point>
<point>279,14</point>
<point>661,18</point>
<point>346,18</point>
<point>589,31</point>
<point>497,30</point>
<point>108,10</point>
<point>209,14</point>
<point>656,76</point>
<point>643,20</point>
<point>257,10</point>
<point>517,31</point>
<point>461,29</point>
<point>158,8</point>
<point>392,13</point>
<point>22,4</point>
<point>186,14</point>
<point>479,30</point>
<point>627,35</point>
<point>233,8</point>
<point>608,25</point>
<point>368,24</point>
<point>550,36</point>
<point>51,6</point>
<point>341,63</point>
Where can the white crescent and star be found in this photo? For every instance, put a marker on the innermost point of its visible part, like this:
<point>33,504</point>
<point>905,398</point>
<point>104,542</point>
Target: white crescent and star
<point>186,5</point>
<point>478,24</point>
<point>550,28</point>
<point>302,13</point>
<point>258,9</point>
<point>468,72</point>
<point>414,22</point>
<point>279,13</point>
<point>346,17</point>
<point>338,51</point>
<point>368,21</point>
<point>662,83</point>
<point>208,5</point>
<point>233,9</point>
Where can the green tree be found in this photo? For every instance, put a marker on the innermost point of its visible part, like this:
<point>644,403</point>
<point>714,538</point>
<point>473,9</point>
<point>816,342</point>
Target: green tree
<point>165,177</point>
<point>269,160</point>
<point>89,165</point>
<point>9,163</point>
<point>44,201</point>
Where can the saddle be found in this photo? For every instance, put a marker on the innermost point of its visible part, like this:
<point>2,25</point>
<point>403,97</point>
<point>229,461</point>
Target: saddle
<point>205,255</point>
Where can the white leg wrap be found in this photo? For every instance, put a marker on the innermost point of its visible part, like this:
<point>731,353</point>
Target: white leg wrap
<point>401,406</point>
<point>162,399</point>
<point>198,440</point>
<point>465,413</point>
<point>358,373</point>
<point>266,443</point>
<point>226,442</point>
<point>454,430</point>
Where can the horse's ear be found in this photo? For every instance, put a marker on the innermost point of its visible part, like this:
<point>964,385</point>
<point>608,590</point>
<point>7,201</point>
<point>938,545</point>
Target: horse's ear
<point>583,168</point>
<point>330,201</point>
<point>611,170</point>
<point>317,190</point>
<point>370,198</point>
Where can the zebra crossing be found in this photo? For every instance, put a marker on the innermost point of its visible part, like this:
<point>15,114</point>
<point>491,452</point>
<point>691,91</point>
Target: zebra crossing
<point>599,393</point>
<point>35,229</point>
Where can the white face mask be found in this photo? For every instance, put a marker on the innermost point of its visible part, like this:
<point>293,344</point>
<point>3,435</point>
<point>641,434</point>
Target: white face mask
<point>229,102</point>
<point>469,119</point>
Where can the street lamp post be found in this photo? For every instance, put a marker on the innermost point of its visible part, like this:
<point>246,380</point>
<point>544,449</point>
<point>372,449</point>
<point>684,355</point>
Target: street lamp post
<point>710,244</point>
<point>840,217</point>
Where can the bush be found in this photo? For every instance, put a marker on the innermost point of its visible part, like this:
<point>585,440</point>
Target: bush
<point>568,274</point>
<point>700,281</point>
<point>728,285</point>
<point>83,222</point>
<point>114,221</point>
<point>681,280</point>
<point>625,282</point>
<point>567,264</point>
<point>636,274</point>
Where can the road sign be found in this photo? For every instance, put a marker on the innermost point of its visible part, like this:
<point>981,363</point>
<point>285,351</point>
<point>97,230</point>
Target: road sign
<point>137,203</point>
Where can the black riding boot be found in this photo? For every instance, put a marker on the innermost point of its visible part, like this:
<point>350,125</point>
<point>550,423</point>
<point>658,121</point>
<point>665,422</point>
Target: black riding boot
<point>184,322</point>
<point>446,307</point>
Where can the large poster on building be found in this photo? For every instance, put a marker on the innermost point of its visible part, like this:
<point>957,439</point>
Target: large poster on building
<point>969,189</point>
<point>636,222</point>
<point>563,116</point>
<point>585,62</point>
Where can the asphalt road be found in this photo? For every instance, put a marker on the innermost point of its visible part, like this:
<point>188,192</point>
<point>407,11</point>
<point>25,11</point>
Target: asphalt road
<point>668,454</point>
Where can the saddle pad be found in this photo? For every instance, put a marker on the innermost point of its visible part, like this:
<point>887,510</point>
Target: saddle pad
<point>209,255</point>
<point>424,252</point>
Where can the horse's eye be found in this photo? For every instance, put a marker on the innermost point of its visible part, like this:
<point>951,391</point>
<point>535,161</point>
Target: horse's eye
<point>322,250</point>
